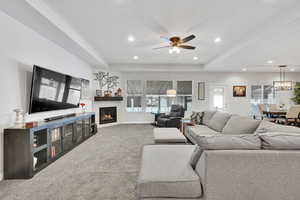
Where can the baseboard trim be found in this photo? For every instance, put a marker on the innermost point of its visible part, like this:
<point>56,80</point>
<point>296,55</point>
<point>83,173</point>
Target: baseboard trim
<point>119,123</point>
<point>145,122</point>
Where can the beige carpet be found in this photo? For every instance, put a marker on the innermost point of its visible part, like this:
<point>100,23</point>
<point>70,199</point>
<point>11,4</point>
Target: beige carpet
<point>103,167</point>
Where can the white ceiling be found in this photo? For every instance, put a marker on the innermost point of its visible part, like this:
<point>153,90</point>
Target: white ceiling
<point>252,32</point>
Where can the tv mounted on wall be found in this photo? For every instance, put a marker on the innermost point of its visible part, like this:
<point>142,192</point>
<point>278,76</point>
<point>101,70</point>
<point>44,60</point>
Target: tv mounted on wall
<point>51,90</point>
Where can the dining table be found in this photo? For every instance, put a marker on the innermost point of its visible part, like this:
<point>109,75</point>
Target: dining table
<point>271,113</point>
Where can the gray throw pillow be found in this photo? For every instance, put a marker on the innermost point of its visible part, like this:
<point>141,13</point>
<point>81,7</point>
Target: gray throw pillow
<point>218,121</point>
<point>280,141</point>
<point>266,126</point>
<point>193,116</point>
<point>207,115</point>
<point>240,125</point>
<point>229,142</point>
<point>195,156</point>
<point>199,118</point>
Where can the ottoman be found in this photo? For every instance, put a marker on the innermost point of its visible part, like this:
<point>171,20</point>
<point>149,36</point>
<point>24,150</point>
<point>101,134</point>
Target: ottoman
<point>168,135</point>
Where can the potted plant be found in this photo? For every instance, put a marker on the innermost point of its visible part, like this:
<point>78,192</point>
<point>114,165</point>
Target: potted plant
<point>296,98</point>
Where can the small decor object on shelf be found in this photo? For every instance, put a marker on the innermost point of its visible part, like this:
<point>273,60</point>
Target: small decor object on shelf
<point>119,92</point>
<point>31,124</point>
<point>83,109</point>
<point>99,93</point>
<point>19,117</point>
<point>239,91</point>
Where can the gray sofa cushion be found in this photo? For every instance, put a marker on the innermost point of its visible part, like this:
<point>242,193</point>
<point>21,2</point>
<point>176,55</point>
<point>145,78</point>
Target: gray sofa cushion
<point>229,142</point>
<point>165,172</point>
<point>266,126</point>
<point>195,156</point>
<point>194,131</point>
<point>280,140</point>
<point>240,125</point>
<point>207,115</point>
<point>218,121</point>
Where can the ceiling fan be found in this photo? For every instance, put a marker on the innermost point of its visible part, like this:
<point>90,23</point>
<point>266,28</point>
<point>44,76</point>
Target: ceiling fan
<point>176,43</point>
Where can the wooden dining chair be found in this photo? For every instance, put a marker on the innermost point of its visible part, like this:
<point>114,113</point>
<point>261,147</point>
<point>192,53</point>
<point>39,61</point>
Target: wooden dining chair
<point>292,116</point>
<point>262,108</point>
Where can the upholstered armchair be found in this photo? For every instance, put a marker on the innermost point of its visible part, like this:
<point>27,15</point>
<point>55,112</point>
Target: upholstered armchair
<point>171,119</point>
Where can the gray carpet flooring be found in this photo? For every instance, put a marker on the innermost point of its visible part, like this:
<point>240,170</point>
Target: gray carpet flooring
<point>103,167</point>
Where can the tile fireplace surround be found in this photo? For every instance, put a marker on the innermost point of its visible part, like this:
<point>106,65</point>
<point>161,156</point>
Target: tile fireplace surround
<point>108,115</point>
<point>105,104</point>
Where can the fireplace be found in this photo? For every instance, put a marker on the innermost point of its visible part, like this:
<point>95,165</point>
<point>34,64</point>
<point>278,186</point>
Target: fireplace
<point>107,115</point>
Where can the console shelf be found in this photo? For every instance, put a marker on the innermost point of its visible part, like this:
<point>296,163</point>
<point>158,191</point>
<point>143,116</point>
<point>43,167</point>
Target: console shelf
<point>29,150</point>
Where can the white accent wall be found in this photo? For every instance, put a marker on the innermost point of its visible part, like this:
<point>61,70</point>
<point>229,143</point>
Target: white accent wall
<point>236,105</point>
<point>20,49</point>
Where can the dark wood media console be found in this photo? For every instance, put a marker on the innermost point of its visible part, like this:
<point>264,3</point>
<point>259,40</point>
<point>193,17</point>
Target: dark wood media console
<point>29,150</point>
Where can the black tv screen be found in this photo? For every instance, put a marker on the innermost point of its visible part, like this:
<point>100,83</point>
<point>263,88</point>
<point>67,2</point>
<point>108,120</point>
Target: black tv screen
<point>53,91</point>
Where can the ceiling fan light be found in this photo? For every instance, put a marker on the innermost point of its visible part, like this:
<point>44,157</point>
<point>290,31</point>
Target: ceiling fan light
<point>176,49</point>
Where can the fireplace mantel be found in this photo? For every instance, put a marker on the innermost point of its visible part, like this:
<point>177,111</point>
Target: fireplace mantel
<point>108,98</point>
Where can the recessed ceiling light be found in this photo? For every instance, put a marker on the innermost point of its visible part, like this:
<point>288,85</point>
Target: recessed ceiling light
<point>195,58</point>
<point>292,70</point>
<point>218,39</point>
<point>244,69</point>
<point>135,57</point>
<point>131,38</point>
<point>270,61</point>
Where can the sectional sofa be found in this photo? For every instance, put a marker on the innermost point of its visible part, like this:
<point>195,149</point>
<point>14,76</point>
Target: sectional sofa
<point>240,159</point>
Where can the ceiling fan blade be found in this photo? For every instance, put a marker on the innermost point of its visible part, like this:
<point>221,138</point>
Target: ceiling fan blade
<point>187,39</point>
<point>187,47</point>
<point>162,47</point>
<point>165,38</point>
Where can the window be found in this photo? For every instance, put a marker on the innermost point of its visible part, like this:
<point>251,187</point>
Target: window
<point>268,94</point>
<point>134,95</point>
<point>151,95</point>
<point>156,98</point>
<point>184,94</point>
<point>218,98</point>
<point>262,94</point>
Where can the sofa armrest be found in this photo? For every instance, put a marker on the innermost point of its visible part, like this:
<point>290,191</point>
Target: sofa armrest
<point>250,174</point>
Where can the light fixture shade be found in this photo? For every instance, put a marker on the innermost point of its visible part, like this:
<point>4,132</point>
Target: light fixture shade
<point>283,85</point>
<point>171,93</point>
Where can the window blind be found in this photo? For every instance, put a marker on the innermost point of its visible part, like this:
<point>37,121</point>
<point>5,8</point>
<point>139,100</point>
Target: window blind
<point>184,87</point>
<point>134,87</point>
<point>158,87</point>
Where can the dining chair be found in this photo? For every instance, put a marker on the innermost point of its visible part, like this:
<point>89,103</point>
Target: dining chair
<point>273,107</point>
<point>262,108</point>
<point>292,116</point>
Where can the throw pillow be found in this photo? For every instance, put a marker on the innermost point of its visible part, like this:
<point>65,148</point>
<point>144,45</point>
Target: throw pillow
<point>266,126</point>
<point>207,115</point>
<point>195,156</point>
<point>199,118</point>
<point>218,121</point>
<point>280,141</point>
<point>193,117</point>
<point>229,142</point>
<point>240,125</point>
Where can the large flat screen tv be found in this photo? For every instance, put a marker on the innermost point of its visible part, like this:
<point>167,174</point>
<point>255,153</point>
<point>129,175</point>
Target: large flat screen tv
<point>53,91</point>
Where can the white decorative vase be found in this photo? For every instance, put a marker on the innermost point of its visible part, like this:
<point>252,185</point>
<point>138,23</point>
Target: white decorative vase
<point>19,117</point>
<point>34,162</point>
